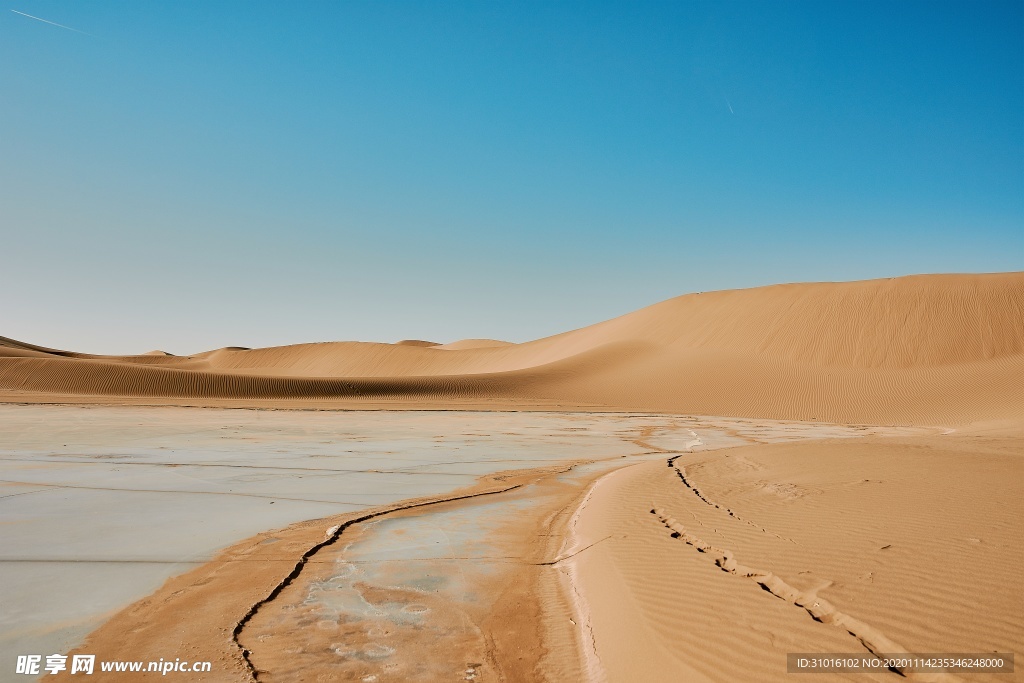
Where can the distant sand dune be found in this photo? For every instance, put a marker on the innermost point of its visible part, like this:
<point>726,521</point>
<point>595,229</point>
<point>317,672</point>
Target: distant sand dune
<point>929,348</point>
<point>416,342</point>
<point>463,344</point>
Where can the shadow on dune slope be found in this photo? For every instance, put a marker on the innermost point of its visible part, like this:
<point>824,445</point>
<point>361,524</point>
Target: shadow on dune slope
<point>929,348</point>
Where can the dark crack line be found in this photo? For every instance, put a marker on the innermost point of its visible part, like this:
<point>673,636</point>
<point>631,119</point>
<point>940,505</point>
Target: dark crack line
<point>732,513</point>
<point>403,470</point>
<point>21,493</point>
<point>465,462</point>
<point>820,609</point>
<point>176,491</point>
<point>563,559</point>
<point>57,560</point>
<point>410,560</point>
<point>331,538</point>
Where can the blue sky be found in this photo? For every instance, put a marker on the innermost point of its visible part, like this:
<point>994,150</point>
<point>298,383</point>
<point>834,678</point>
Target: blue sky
<point>193,175</point>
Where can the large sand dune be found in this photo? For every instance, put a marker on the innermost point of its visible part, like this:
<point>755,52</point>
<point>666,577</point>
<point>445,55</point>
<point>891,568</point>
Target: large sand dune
<point>901,539</point>
<point>918,349</point>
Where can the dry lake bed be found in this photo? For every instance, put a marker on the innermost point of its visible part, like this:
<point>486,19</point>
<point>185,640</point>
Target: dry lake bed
<point>100,505</point>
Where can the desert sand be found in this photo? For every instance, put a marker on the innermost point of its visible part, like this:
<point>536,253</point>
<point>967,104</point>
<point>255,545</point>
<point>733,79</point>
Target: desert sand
<point>878,544</point>
<point>921,349</point>
<point>880,516</point>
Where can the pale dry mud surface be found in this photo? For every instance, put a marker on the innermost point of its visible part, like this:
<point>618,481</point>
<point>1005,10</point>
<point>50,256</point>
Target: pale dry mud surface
<point>455,591</point>
<point>100,505</point>
<point>469,590</point>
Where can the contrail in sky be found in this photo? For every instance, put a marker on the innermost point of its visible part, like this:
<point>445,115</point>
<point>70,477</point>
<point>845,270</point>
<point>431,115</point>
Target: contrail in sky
<point>52,23</point>
<point>730,105</point>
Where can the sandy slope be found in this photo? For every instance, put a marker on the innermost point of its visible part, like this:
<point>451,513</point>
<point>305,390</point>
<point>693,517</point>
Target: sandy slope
<point>930,348</point>
<point>880,544</point>
<point>883,545</point>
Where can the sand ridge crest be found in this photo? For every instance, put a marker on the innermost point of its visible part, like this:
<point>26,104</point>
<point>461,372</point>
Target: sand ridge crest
<point>920,349</point>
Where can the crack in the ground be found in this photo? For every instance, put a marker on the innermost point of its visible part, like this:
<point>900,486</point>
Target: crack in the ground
<point>33,560</point>
<point>178,491</point>
<point>402,470</point>
<point>22,493</point>
<point>333,534</point>
<point>570,555</point>
<point>691,485</point>
<point>819,609</point>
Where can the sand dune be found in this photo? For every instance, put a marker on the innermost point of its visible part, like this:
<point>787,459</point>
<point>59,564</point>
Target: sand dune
<point>715,562</point>
<point>463,344</point>
<point>416,342</point>
<point>716,566</point>
<point>918,349</point>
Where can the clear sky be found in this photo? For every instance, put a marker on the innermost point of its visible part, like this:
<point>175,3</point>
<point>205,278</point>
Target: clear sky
<point>189,175</point>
